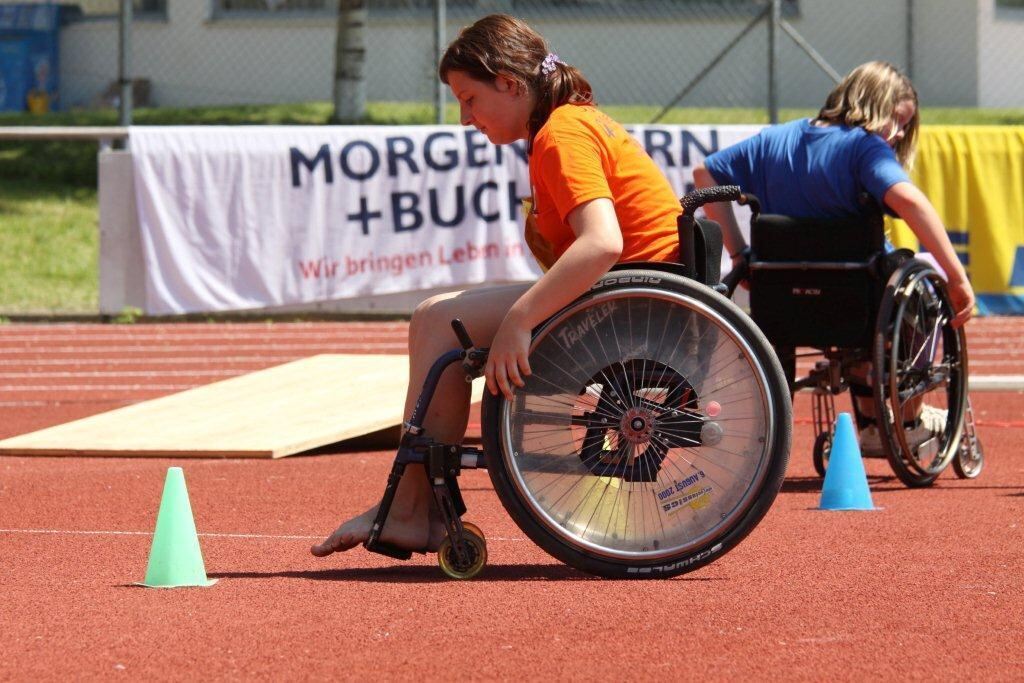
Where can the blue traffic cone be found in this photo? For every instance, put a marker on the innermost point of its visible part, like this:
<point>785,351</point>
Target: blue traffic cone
<point>846,484</point>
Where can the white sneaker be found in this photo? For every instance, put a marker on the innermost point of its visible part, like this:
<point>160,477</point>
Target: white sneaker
<point>932,425</point>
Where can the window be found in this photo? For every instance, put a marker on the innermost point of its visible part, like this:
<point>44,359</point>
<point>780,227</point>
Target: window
<point>273,9</point>
<point>655,7</point>
<point>230,6</point>
<point>251,8</point>
<point>88,10</point>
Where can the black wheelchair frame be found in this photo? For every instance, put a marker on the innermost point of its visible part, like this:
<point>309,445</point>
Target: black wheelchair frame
<point>854,304</point>
<point>688,432</point>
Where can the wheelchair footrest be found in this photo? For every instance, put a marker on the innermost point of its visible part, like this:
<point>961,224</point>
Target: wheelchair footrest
<point>388,549</point>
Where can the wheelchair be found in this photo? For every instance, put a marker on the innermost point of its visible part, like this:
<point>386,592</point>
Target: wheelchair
<point>651,437</point>
<point>831,290</point>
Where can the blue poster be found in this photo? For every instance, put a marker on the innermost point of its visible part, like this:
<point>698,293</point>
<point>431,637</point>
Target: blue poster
<point>28,56</point>
<point>14,66</point>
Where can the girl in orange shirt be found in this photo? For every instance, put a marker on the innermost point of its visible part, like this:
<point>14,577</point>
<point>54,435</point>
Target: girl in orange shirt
<point>598,199</point>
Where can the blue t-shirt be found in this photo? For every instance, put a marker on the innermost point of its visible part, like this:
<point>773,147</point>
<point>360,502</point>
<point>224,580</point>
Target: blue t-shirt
<point>805,171</point>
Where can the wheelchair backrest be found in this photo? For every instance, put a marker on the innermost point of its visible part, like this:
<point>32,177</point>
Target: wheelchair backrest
<point>781,238</point>
<point>816,282</point>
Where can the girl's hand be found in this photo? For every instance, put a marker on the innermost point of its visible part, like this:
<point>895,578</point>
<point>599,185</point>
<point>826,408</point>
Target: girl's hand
<point>598,245</point>
<point>962,297</point>
<point>507,361</point>
<point>912,206</point>
<point>742,260</point>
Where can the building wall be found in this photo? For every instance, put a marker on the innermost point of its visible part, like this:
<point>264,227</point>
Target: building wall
<point>945,51</point>
<point>192,59</point>
<point>1000,55</point>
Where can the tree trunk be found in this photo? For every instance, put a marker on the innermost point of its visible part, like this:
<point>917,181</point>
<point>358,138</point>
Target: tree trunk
<point>349,58</point>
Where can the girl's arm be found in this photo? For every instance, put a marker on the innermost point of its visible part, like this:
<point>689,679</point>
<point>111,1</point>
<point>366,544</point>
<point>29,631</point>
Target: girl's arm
<point>597,247</point>
<point>913,206</point>
<point>721,214</point>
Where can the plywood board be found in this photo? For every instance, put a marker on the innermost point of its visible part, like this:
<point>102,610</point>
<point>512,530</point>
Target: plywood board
<point>272,413</point>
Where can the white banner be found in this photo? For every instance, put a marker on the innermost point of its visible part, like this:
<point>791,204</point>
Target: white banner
<point>236,218</point>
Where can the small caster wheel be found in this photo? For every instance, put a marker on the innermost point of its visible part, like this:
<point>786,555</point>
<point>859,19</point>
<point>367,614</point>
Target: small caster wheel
<point>469,526</point>
<point>822,449</point>
<point>970,457</point>
<point>476,554</point>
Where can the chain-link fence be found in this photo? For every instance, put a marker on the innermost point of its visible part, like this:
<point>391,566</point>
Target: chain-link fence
<point>650,53</point>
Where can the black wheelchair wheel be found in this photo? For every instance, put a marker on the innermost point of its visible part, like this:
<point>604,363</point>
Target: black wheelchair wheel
<point>652,435</point>
<point>920,372</point>
<point>822,450</point>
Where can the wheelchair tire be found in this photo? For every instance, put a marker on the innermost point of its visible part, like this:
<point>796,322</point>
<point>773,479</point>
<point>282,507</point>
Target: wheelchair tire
<point>821,452</point>
<point>970,458</point>
<point>918,359</point>
<point>652,435</point>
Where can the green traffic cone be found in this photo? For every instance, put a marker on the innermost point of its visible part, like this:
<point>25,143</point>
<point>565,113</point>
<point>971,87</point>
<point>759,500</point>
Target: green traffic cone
<point>175,558</point>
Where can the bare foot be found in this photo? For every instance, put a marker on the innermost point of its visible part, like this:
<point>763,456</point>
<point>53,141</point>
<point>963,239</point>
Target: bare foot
<point>417,533</point>
<point>348,535</point>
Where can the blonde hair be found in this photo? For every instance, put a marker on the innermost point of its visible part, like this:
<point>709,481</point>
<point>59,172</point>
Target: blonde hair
<point>867,98</point>
<point>500,44</point>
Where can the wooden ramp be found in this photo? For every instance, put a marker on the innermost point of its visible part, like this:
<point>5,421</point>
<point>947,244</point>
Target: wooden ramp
<point>276,412</point>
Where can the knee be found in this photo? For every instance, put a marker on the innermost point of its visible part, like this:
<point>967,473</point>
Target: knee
<point>429,321</point>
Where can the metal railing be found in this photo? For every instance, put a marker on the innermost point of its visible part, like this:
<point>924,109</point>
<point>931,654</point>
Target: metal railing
<point>105,136</point>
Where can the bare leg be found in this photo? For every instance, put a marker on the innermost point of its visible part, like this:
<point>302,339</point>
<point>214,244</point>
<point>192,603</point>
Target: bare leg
<point>862,374</point>
<point>413,521</point>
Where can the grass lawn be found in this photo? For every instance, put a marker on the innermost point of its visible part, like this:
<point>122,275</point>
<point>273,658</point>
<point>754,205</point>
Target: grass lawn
<point>49,244</point>
<point>48,207</point>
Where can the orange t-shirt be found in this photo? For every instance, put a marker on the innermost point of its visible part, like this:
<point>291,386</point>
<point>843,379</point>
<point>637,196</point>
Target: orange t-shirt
<point>581,154</point>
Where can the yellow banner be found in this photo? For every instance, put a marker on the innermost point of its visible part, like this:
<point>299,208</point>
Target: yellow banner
<point>974,175</point>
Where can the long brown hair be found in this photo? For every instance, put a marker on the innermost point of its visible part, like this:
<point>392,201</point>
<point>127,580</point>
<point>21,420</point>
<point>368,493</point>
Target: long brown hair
<point>867,98</point>
<point>500,44</point>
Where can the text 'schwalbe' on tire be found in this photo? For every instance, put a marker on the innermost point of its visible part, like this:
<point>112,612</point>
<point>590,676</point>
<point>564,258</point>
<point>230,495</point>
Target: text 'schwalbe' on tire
<point>652,435</point>
<point>920,363</point>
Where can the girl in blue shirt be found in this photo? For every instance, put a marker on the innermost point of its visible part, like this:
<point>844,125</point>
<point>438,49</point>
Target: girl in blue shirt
<point>862,140</point>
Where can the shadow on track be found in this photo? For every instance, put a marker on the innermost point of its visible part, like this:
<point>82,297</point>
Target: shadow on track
<point>881,484</point>
<point>432,574</point>
<point>813,484</point>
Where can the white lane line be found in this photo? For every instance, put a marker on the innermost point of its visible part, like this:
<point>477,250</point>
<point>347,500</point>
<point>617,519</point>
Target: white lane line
<point>975,365</point>
<point>82,388</point>
<point>975,383</point>
<point>993,351</point>
<point>14,329</point>
<point>993,383</point>
<point>81,532</point>
<point>284,537</point>
<point>181,360</point>
<point>311,340</point>
<point>116,400</point>
<point>43,344</point>
<point>152,374</point>
<point>325,347</point>
<point>339,335</point>
<point>974,362</point>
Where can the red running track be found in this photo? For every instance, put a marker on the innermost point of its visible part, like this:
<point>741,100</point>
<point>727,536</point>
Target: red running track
<point>927,587</point>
